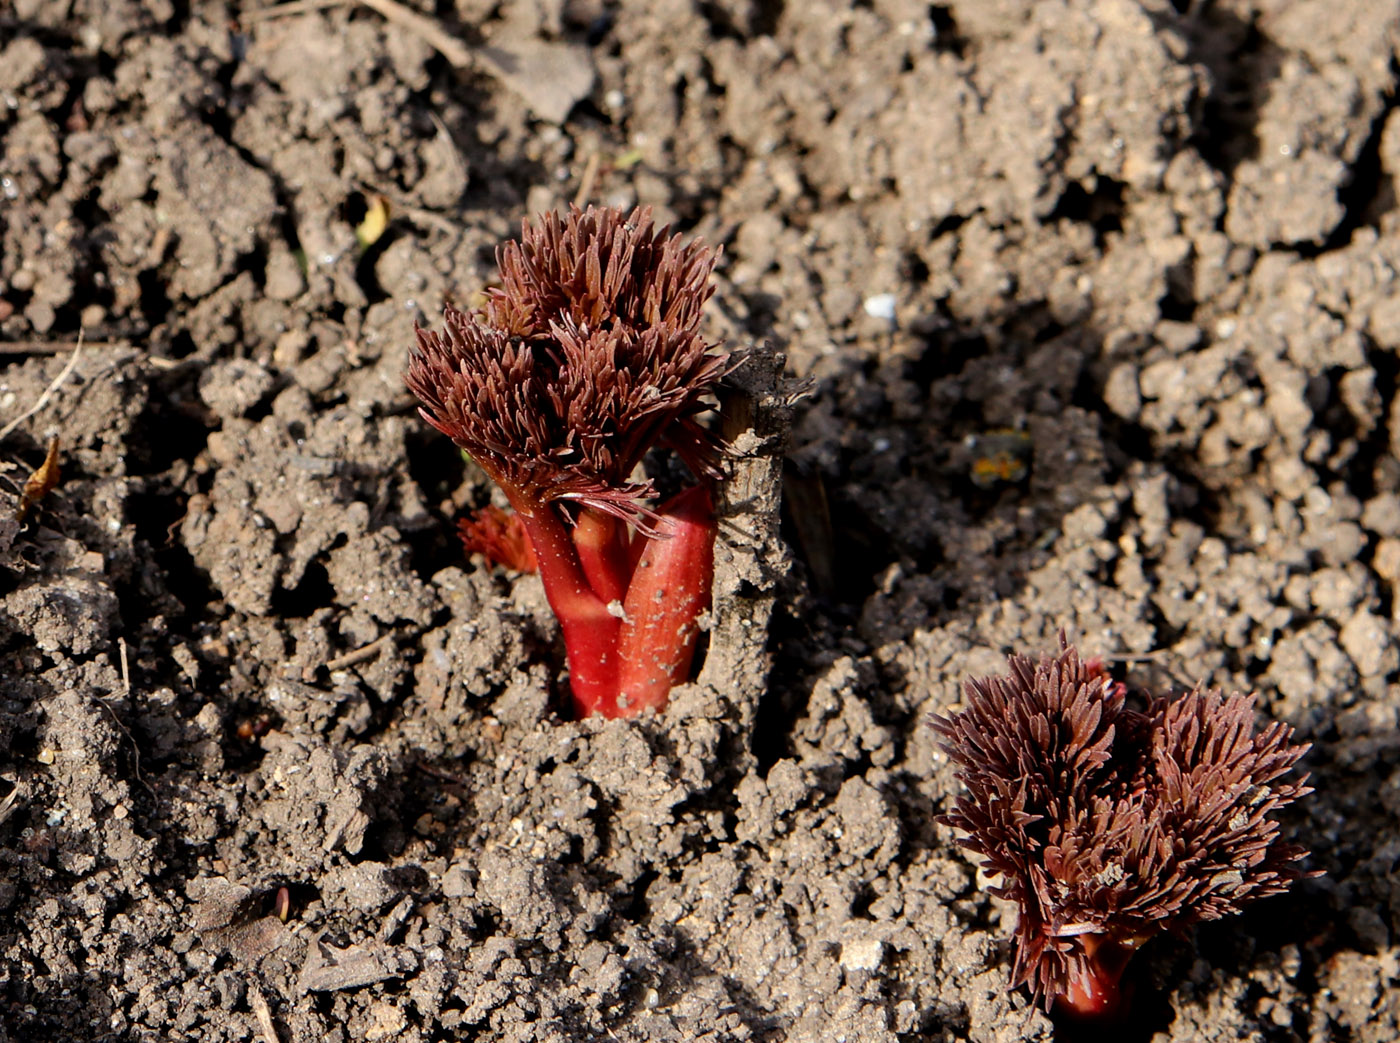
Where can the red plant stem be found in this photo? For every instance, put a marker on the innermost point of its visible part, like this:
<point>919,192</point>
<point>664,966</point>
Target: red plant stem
<point>669,590</point>
<point>628,614</point>
<point>602,545</point>
<point>1098,995</point>
<point>590,629</point>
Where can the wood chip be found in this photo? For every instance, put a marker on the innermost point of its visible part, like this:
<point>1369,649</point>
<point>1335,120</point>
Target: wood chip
<point>262,1012</point>
<point>10,801</point>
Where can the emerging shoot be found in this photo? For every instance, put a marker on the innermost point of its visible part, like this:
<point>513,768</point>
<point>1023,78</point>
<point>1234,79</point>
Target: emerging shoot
<point>586,357</point>
<point>1108,825</point>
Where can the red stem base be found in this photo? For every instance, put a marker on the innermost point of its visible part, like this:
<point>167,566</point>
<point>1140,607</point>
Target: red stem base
<point>1098,996</point>
<point>628,605</point>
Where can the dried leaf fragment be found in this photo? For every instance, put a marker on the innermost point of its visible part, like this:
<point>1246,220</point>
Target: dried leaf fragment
<point>375,222</point>
<point>40,483</point>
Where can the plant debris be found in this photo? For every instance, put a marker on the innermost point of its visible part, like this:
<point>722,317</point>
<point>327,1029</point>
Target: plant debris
<point>40,483</point>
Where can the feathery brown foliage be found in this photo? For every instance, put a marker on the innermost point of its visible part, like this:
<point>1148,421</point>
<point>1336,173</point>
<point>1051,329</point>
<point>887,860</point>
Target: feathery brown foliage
<point>1107,824</point>
<point>586,356</point>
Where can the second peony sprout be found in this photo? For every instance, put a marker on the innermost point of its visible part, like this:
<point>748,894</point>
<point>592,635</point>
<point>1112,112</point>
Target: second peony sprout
<point>1108,825</point>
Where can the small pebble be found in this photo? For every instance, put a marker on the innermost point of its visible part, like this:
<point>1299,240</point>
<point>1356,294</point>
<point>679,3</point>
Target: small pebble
<point>863,954</point>
<point>881,306</point>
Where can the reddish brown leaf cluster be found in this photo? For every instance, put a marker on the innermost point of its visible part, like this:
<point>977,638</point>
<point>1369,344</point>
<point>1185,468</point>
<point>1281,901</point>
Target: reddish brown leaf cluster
<point>499,538</point>
<point>1108,824</point>
<point>587,356</point>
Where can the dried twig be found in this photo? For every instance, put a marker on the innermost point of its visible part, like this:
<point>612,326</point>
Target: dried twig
<point>420,25</point>
<point>288,10</point>
<point>126,694</point>
<point>126,670</point>
<point>262,1012</point>
<point>48,391</point>
<point>402,205</point>
<point>135,746</point>
<point>585,183</point>
<point>359,655</point>
<point>453,153</point>
<point>7,805</point>
<point>440,40</point>
<point>441,773</point>
<point>56,347</point>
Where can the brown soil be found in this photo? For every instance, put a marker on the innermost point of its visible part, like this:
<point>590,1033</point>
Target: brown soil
<point>1140,382</point>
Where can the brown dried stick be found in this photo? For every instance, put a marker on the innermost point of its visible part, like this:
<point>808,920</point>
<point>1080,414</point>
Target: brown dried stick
<point>48,391</point>
<point>360,654</point>
<point>441,41</point>
<point>262,1012</point>
<point>55,347</point>
<point>287,10</point>
<point>420,25</point>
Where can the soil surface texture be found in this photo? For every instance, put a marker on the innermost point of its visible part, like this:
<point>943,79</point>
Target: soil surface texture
<point>1077,314</point>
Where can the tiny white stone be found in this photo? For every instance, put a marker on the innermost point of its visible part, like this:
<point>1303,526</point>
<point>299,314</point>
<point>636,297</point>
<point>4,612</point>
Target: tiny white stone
<point>881,306</point>
<point>862,954</point>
